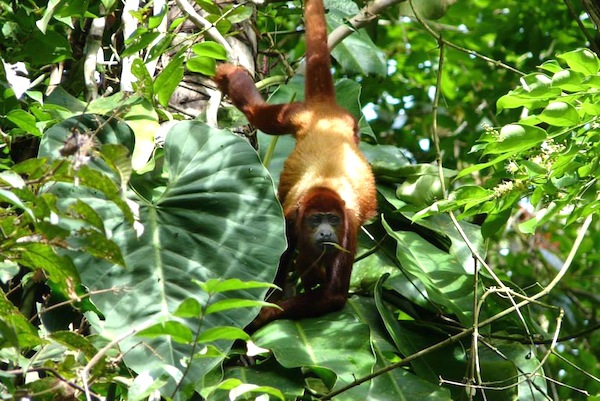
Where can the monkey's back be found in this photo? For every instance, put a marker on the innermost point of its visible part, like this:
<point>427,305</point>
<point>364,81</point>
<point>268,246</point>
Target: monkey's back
<point>326,155</point>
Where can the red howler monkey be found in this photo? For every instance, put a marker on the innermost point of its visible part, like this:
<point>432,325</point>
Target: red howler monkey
<point>326,187</point>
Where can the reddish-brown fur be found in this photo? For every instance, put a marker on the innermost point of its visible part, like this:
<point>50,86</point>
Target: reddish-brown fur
<point>325,172</point>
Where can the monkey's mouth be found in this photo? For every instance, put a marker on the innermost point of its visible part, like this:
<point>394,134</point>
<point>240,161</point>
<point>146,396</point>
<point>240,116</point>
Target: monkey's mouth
<point>327,245</point>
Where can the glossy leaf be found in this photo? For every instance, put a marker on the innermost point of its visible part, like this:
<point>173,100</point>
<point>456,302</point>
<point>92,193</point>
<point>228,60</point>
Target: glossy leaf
<point>210,49</point>
<point>440,272</point>
<point>217,209</point>
<point>516,138</point>
<point>560,114</point>
<point>305,343</point>
<point>202,65</point>
<point>581,60</point>
<point>168,80</point>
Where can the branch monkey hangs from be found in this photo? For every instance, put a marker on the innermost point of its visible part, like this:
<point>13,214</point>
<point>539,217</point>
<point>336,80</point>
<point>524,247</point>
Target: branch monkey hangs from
<point>326,187</point>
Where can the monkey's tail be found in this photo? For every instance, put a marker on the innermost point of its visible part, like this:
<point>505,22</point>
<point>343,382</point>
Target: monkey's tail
<point>319,83</point>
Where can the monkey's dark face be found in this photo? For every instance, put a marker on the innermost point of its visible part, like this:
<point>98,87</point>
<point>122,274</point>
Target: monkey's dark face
<point>323,229</point>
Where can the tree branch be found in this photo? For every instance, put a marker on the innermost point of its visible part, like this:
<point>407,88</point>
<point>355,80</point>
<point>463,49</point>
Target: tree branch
<point>205,25</point>
<point>93,45</point>
<point>367,14</point>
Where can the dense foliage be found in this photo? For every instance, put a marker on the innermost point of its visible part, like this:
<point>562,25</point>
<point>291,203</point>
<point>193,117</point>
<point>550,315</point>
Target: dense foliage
<point>136,246</point>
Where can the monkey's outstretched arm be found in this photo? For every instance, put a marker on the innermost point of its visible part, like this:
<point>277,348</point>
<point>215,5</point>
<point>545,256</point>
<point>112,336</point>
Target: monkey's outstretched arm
<point>275,119</point>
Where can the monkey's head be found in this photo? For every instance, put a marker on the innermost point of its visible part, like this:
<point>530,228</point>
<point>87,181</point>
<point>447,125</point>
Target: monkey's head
<point>323,228</point>
<point>321,221</point>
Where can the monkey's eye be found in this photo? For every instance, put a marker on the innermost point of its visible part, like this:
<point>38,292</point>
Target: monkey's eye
<point>314,220</point>
<point>334,219</point>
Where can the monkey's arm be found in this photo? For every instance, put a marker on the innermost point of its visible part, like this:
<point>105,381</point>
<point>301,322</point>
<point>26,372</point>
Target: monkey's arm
<point>275,119</point>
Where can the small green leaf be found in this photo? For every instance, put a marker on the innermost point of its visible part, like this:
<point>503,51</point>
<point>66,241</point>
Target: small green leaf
<point>534,169</point>
<point>250,391</point>
<point>234,303</point>
<point>95,243</point>
<point>75,342</point>
<point>42,23</point>
<point>215,286</point>
<point>8,270</point>
<point>208,6</point>
<point>202,65</point>
<point>143,42</point>
<point>144,83</point>
<point>240,13</point>
<point>210,49</point>
<point>536,84</point>
<point>168,80</point>
<point>60,270</point>
<point>177,331</point>
<point>515,138</point>
<point>592,109</point>
<point>190,307</point>
<point>536,90</point>
<point>592,81</point>
<point>81,210</point>
<point>24,120</point>
<point>222,25</point>
<point>13,179</point>
<point>560,114</point>
<point>15,329</point>
<point>102,182</point>
<point>528,227</point>
<point>160,47</point>
<point>478,167</point>
<point>569,80</point>
<point>359,54</point>
<point>117,157</point>
<point>155,20</point>
<point>10,198</point>
<point>581,60</point>
<point>222,333</point>
<point>420,190</point>
<point>551,66</point>
<point>495,222</point>
<point>471,194</point>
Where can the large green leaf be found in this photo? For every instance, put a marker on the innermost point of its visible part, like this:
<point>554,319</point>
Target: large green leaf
<point>106,130</point>
<point>335,346</point>
<point>445,275</point>
<point>397,384</point>
<point>215,216</point>
<point>357,53</point>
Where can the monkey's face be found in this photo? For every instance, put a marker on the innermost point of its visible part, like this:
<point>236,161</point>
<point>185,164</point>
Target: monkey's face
<point>323,229</point>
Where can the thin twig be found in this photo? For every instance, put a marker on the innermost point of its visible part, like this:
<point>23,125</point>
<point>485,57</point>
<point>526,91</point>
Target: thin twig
<point>437,36</point>
<point>585,32</point>
<point>451,340</point>
<point>366,14</point>
<point>129,24</point>
<point>93,44</point>
<point>85,373</point>
<point>71,301</point>
<point>205,25</point>
<point>53,372</point>
<point>575,366</point>
<point>474,368</point>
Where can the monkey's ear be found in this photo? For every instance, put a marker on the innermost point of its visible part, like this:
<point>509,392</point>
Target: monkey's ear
<point>273,119</point>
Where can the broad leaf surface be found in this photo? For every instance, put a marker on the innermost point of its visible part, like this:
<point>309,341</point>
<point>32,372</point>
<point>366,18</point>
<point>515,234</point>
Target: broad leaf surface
<point>334,343</point>
<point>444,274</point>
<point>216,217</point>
